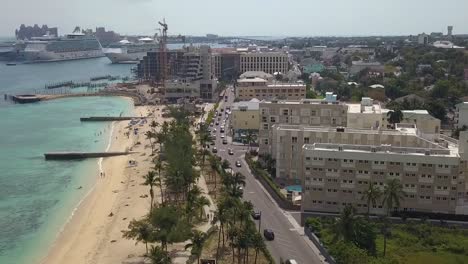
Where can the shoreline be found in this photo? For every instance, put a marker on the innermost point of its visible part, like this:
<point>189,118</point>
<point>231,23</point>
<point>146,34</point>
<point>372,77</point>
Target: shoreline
<point>96,223</point>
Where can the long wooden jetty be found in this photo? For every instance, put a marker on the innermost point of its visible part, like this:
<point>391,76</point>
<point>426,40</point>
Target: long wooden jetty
<point>82,155</point>
<point>108,118</point>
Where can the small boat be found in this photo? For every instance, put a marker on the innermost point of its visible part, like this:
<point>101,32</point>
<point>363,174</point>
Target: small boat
<point>11,64</point>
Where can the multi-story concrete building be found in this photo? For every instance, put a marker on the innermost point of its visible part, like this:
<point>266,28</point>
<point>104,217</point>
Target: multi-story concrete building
<point>269,62</point>
<point>287,140</point>
<point>259,88</point>
<point>461,115</point>
<point>245,117</point>
<point>338,173</point>
<point>370,115</point>
<point>311,112</point>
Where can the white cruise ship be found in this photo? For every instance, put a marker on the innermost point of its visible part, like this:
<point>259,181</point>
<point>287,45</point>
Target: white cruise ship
<point>128,52</point>
<point>70,47</point>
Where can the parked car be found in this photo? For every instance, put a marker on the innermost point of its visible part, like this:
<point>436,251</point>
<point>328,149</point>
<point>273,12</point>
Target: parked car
<point>225,142</point>
<point>256,215</point>
<point>222,136</point>
<point>269,234</point>
<point>221,130</point>
<point>230,152</point>
<point>215,150</point>
<point>238,164</point>
<point>217,123</point>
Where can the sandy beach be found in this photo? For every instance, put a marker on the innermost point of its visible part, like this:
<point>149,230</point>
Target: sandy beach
<point>94,233</point>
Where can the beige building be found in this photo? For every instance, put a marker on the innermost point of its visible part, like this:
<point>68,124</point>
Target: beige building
<point>259,88</point>
<point>269,62</point>
<point>286,142</point>
<point>310,112</point>
<point>245,116</point>
<point>461,115</point>
<point>370,115</point>
<point>433,176</point>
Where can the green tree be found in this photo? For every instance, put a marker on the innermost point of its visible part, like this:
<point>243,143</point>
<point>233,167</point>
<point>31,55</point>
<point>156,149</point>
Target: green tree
<point>394,117</point>
<point>140,230</point>
<point>392,196</point>
<point>159,256</point>
<point>149,135</point>
<point>197,240</point>
<point>258,244</point>
<point>371,195</point>
<point>169,226</point>
<point>151,180</point>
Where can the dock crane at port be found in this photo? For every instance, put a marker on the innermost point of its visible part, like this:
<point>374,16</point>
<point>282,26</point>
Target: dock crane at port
<point>163,55</point>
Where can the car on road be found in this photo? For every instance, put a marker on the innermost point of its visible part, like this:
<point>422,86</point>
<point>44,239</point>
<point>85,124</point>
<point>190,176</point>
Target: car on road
<point>256,215</point>
<point>269,234</point>
<point>217,123</point>
<point>238,164</point>
<point>290,261</point>
<point>214,130</point>
<point>221,130</point>
<point>225,142</point>
<point>222,136</point>
<point>212,143</point>
<point>220,114</point>
<point>215,150</point>
<point>230,152</point>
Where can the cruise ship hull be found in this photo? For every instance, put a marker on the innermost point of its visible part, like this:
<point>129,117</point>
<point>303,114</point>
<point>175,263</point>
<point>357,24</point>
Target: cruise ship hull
<point>118,57</point>
<point>47,56</point>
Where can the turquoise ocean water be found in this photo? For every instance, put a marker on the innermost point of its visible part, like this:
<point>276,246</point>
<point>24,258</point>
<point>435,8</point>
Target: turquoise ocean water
<point>38,197</point>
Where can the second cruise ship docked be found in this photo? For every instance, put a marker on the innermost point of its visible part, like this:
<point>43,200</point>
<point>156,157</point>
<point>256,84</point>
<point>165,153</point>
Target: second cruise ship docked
<point>128,52</point>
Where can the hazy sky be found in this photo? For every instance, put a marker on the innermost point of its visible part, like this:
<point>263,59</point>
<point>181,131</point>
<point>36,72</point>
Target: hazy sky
<point>241,17</point>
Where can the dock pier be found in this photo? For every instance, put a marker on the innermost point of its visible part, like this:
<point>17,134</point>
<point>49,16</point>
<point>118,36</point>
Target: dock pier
<point>108,118</point>
<point>82,155</point>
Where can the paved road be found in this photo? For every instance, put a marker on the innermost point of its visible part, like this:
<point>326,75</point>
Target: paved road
<point>290,241</point>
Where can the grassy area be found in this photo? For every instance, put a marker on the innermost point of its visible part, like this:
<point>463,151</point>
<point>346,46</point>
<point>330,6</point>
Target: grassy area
<point>412,243</point>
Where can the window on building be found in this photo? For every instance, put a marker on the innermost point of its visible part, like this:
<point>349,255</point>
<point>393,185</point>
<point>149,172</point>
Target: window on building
<point>294,139</point>
<point>306,140</point>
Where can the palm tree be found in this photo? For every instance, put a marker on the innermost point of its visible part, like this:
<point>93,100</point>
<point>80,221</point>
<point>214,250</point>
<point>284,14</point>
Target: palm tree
<point>151,180</point>
<point>214,163</point>
<point>392,196</point>
<point>154,125</point>
<point>257,244</point>
<point>200,202</point>
<point>159,256</point>
<point>149,135</point>
<point>249,138</point>
<point>371,195</point>
<point>198,239</point>
<point>394,117</point>
<point>140,231</point>
<point>158,166</point>
<point>344,227</point>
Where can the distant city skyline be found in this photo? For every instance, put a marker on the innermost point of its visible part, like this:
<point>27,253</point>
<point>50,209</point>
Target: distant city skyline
<point>242,17</point>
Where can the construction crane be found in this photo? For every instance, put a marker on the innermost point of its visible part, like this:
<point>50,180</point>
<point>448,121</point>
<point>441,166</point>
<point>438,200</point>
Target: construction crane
<point>163,55</point>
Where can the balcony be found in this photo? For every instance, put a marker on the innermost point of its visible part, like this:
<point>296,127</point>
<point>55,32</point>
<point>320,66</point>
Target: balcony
<point>347,164</point>
<point>443,170</point>
<point>332,174</point>
<point>347,185</point>
<point>442,192</point>
<point>410,190</point>
<point>411,168</point>
<point>362,176</point>
<point>426,180</point>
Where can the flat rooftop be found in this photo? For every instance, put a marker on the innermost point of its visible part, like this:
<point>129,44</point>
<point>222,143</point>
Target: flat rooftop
<point>383,149</point>
<point>346,130</point>
<point>358,108</point>
<point>302,101</point>
<point>248,105</point>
